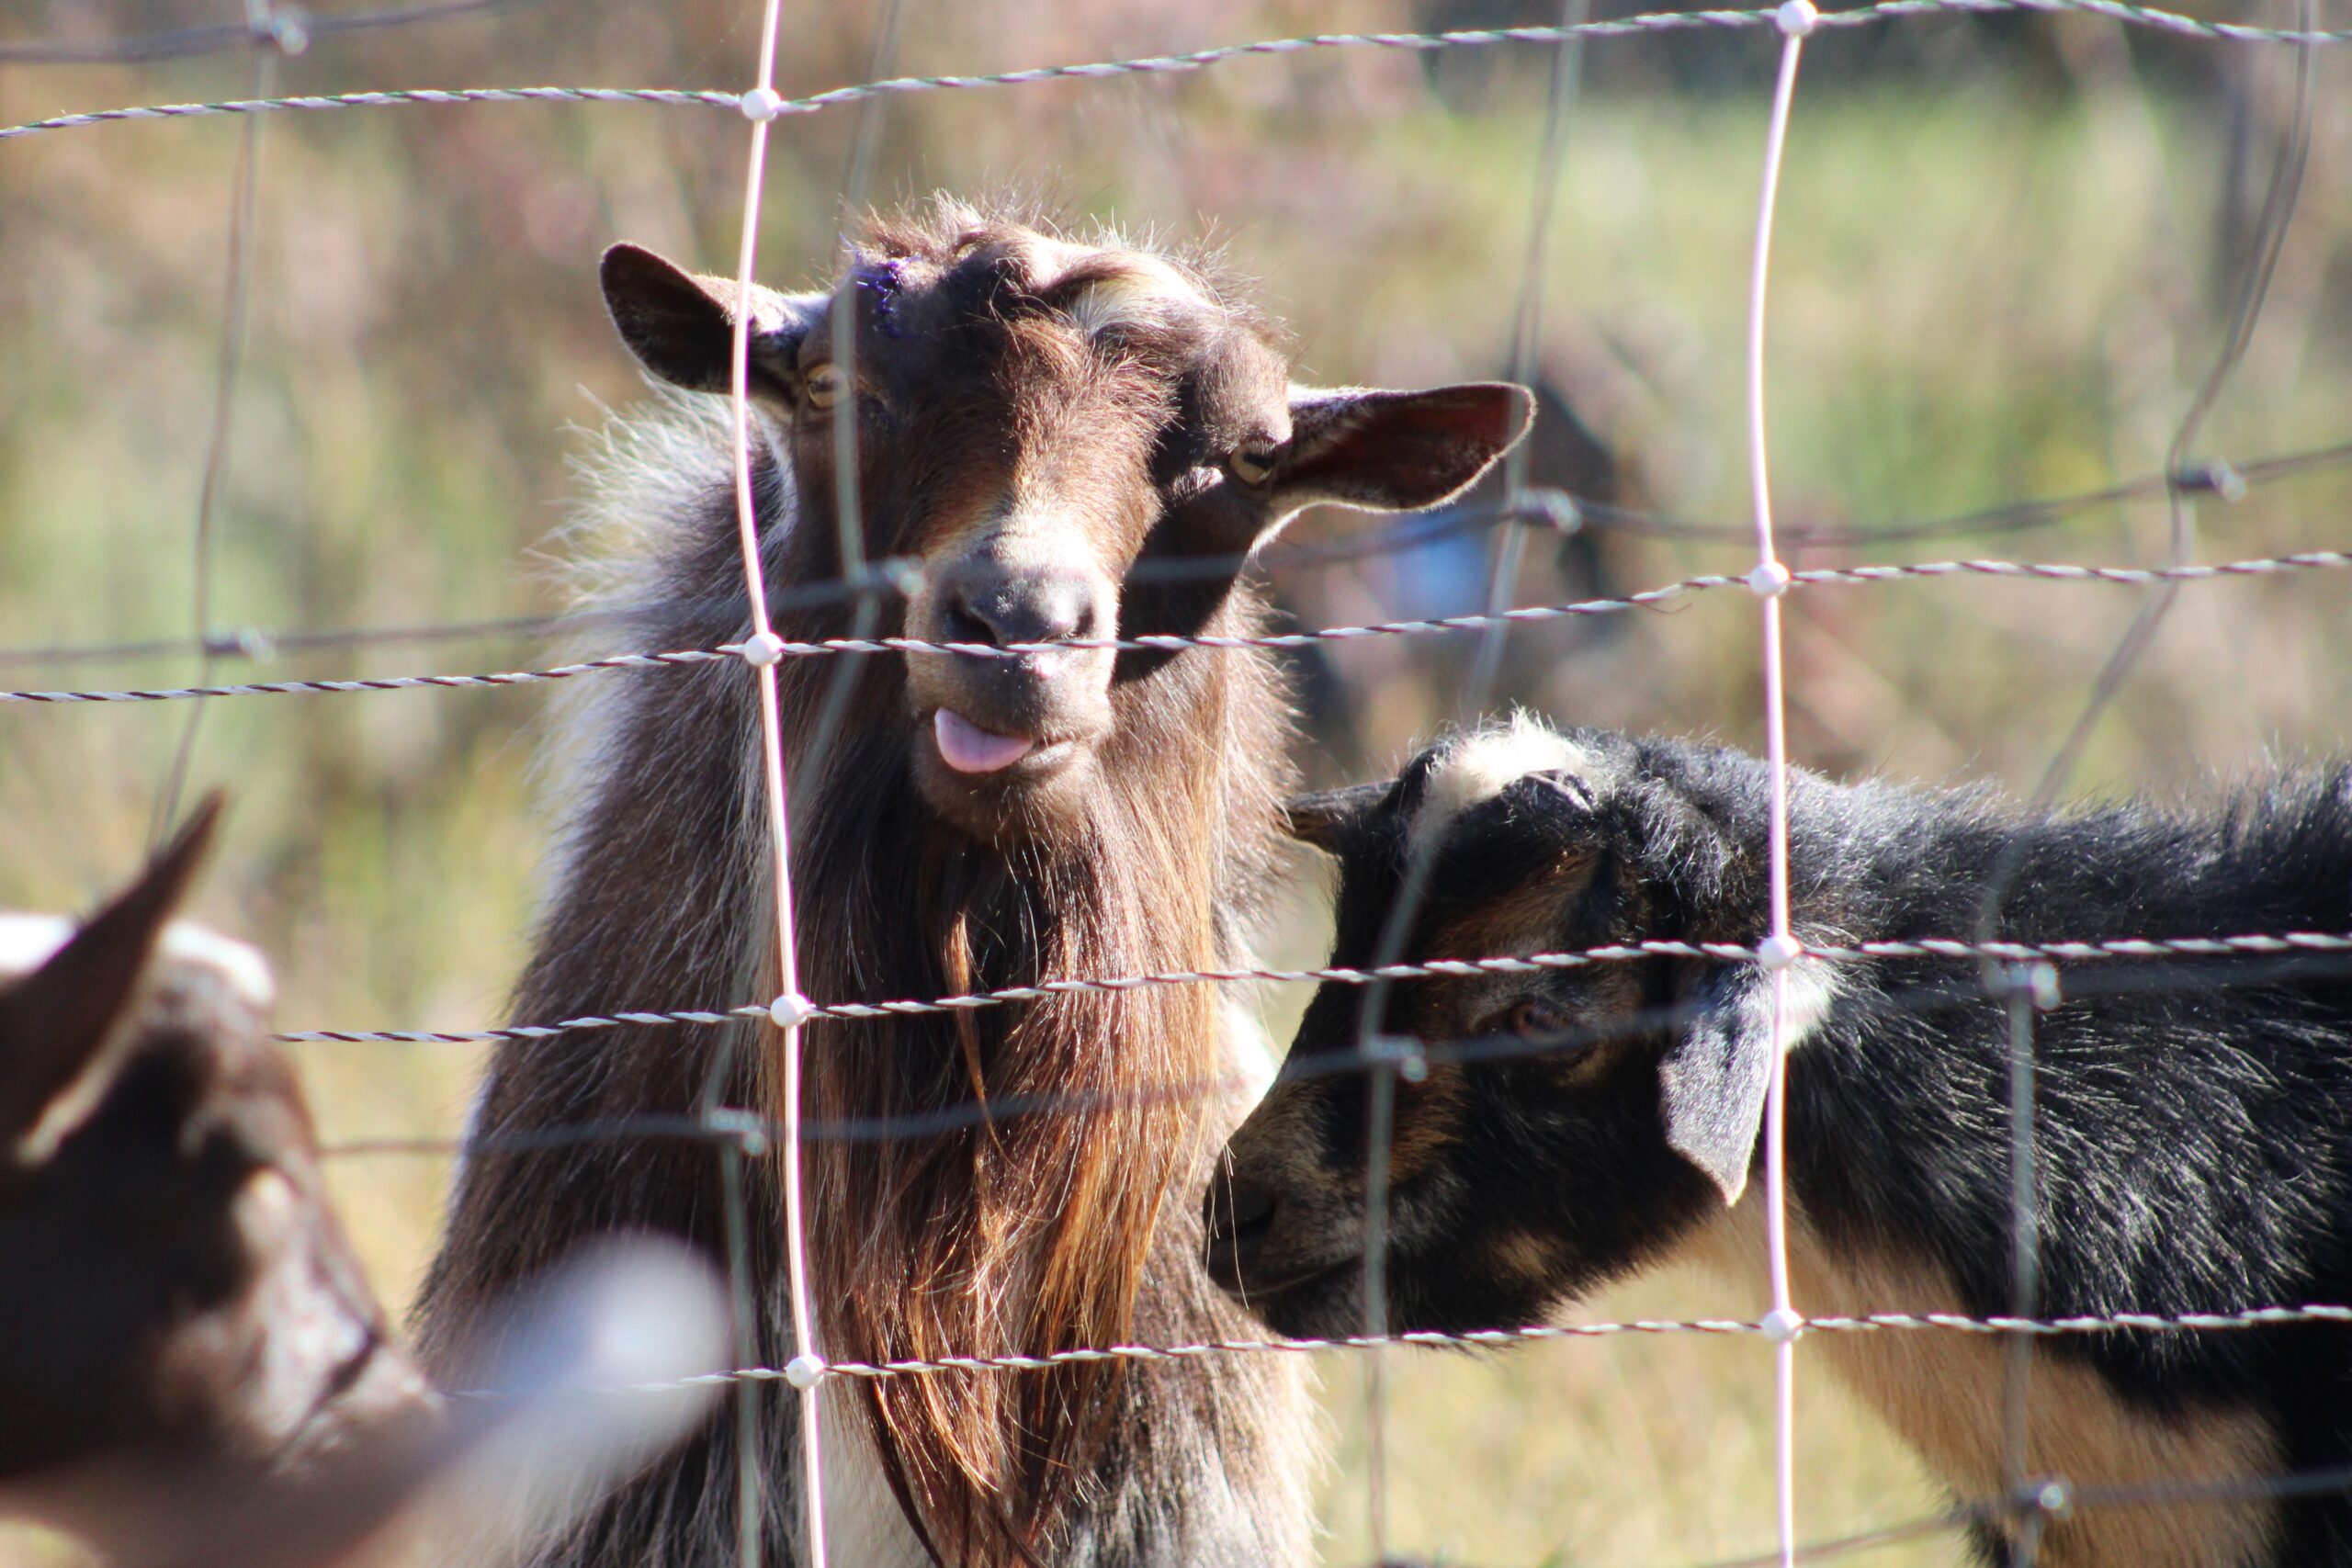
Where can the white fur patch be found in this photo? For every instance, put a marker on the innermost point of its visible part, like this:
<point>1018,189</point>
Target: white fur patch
<point>28,941</point>
<point>1149,294</point>
<point>1812,990</point>
<point>1481,766</point>
<point>1148,289</point>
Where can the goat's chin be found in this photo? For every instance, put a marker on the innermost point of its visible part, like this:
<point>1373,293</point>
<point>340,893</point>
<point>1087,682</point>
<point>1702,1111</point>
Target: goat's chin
<point>1325,1303</point>
<point>1037,797</point>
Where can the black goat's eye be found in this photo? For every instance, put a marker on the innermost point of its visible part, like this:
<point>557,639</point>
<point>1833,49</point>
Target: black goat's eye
<point>1251,468</point>
<point>1535,1019</point>
<point>822,386</point>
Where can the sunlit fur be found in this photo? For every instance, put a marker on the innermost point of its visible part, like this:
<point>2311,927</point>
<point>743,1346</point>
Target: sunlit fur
<point>2193,1137</point>
<point>1029,1233</point>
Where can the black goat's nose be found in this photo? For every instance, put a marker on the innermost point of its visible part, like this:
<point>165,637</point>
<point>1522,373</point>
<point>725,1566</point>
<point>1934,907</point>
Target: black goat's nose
<point>1238,1215</point>
<point>1043,606</point>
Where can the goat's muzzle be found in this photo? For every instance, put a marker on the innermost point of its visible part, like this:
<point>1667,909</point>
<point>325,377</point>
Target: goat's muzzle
<point>1292,1257</point>
<point>1003,724</point>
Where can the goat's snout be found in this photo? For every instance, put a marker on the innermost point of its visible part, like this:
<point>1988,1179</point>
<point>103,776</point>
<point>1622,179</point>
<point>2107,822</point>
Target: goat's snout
<point>1238,1215</point>
<point>1015,722</point>
<point>997,607</point>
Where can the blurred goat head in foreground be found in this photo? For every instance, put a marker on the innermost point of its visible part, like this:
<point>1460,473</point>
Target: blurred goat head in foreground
<point>193,1371</point>
<point>179,1290</point>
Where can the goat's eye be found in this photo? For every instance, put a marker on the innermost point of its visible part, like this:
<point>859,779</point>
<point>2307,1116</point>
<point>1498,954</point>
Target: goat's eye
<point>1251,468</point>
<point>1535,1019</point>
<point>822,386</point>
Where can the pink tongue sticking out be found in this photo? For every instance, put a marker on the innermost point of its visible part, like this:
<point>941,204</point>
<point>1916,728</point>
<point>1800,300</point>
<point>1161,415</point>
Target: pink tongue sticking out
<point>967,748</point>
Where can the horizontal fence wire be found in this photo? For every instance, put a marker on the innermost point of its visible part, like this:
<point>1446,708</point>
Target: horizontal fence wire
<point>1496,1339</point>
<point>1526,615</point>
<point>2037,982</point>
<point>771,106</point>
<point>1561,510</point>
<point>1446,968</point>
<point>290,28</point>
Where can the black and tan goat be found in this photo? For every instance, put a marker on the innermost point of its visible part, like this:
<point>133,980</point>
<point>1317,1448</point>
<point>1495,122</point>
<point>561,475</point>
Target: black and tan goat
<point>176,1295</point>
<point>2194,1123</point>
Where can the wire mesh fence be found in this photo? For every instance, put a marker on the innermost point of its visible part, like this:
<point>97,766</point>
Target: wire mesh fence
<point>1980,965</point>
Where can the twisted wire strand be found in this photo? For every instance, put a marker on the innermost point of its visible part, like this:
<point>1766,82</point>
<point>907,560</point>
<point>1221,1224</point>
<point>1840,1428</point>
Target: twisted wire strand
<point>2231,481</point>
<point>1444,968</point>
<point>1489,1338</point>
<point>289,29</point>
<point>1653,22</point>
<point>1811,577</point>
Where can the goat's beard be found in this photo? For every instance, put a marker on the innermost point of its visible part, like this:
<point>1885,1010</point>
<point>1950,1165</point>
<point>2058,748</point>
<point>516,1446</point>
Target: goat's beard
<point>1020,1219</point>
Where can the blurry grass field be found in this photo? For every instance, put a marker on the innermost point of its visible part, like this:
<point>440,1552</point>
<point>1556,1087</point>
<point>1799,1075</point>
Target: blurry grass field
<point>1998,277</point>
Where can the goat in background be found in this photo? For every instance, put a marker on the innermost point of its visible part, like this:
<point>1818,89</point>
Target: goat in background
<point>2193,1128</point>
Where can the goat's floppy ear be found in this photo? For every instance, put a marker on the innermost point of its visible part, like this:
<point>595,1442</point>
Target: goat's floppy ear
<point>1331,819</point>
<point>681,326</point>
<point>65,1028</point>
<point>1713,1080</point>
<point>1383,451</point>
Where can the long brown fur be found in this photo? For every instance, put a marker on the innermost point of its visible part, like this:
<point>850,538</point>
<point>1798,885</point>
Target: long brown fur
<point>1020,1231</point>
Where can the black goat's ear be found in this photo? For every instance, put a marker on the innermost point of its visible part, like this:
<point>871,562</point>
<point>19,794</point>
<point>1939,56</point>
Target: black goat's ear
<point>1713,1080</point>
<point>680,325</point>
<point>1385,451</point>
<point>65,1029</point>
<point>1332,819</point>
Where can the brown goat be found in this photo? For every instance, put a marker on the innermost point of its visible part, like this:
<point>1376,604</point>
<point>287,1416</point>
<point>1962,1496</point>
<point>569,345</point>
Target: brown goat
<point>1073,442</point>
<point>176,1298</point>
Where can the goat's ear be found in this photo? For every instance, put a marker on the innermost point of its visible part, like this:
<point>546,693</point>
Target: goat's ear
<point>1383,451</point>
<point>66,1029</point>
<point>681,326</point>
<point>1713,1080</point>
<point>1331,819</point>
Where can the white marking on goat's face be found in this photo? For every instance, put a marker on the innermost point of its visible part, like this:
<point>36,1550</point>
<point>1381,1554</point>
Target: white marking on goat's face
<point>1150,295</point>
<point>1483,764</point>
<point>26,942</point>
<point>308,1330</point>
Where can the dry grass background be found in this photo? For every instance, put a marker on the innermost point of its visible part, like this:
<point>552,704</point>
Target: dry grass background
<point>2002,258</point>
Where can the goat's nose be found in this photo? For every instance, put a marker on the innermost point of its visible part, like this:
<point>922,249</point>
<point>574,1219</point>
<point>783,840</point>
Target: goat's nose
<point>1237,1215</point>
<point>1030,606</point>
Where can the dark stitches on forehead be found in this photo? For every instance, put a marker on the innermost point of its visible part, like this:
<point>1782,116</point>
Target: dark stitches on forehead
<point>880,281</point>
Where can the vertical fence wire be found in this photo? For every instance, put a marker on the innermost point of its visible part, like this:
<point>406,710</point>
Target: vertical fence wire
<point>1395,1059</point>
<point>244,202</point>
<point>2022,989</point>
<point>2027,987</point>
<point>1780,950</point>
<point>761,649</point>
<point>848,477</point>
